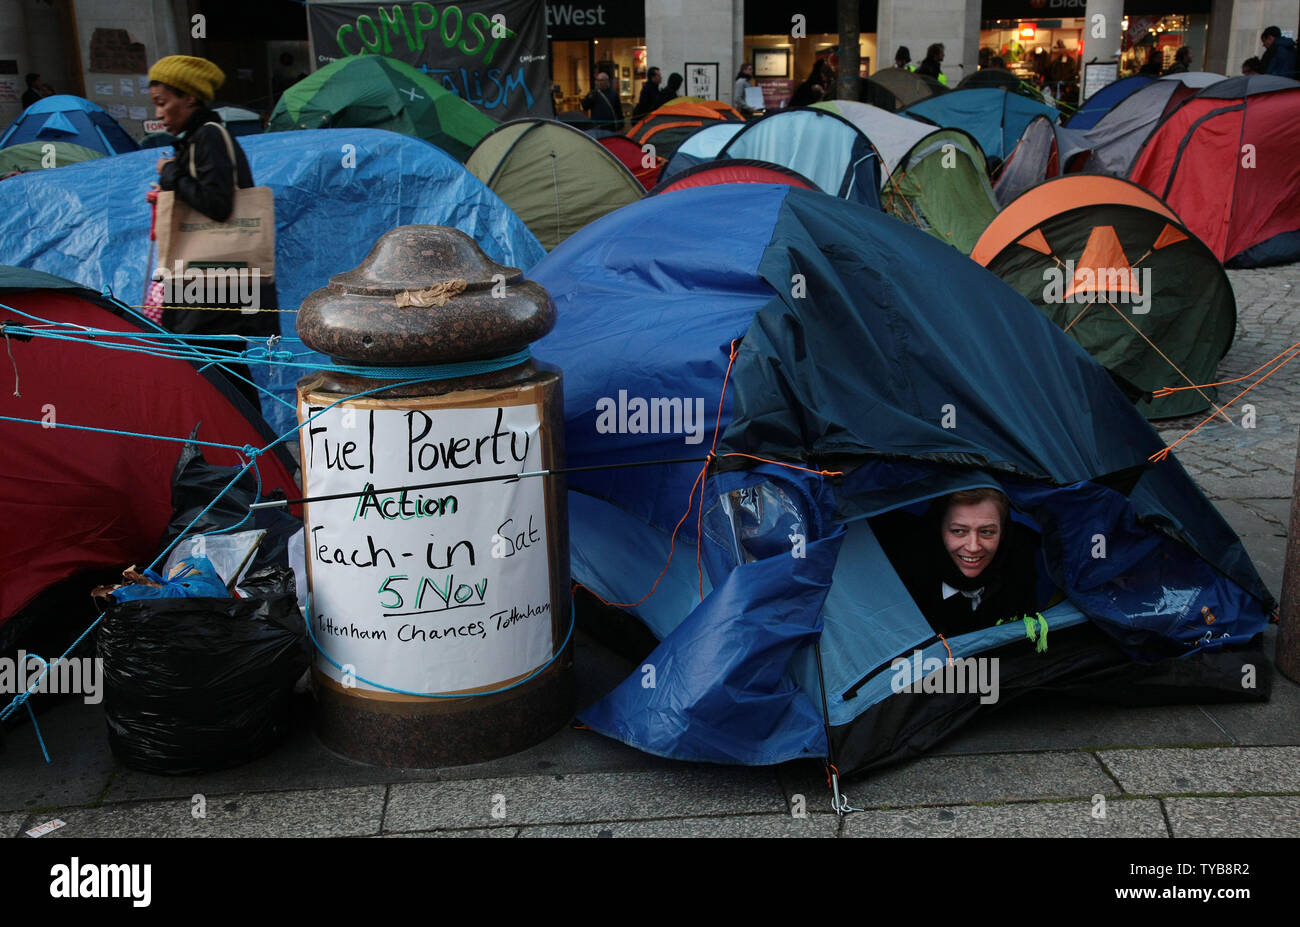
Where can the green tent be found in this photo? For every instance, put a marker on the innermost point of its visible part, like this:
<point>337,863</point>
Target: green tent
<point>935,179</point>
<point>1116,268</point>
<point>374,92</point>
<point>33,156</point>
<point>555,178</point>
<point>942,187</point>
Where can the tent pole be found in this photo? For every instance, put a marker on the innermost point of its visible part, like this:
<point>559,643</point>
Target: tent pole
<point>839,802</point>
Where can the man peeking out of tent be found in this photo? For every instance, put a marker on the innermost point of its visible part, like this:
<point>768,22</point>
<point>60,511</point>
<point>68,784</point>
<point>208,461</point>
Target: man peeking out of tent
<point>966,564</point>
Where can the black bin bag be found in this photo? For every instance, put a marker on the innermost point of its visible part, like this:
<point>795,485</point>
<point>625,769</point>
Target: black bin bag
<point>197,684</point>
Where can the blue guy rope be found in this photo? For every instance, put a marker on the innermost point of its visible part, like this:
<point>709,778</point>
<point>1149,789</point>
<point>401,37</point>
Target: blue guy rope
<point>402,376</point>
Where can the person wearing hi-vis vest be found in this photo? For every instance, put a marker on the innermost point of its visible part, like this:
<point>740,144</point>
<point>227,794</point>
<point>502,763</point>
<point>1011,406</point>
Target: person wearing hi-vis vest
<point>203,176</point>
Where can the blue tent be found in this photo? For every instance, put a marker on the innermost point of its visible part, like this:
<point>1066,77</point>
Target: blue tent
<point>852,374</point>
<point>336,192</point>
<point>996,117</point>
<point>64,118</point>
<point>822,146</point>
<point>1100,103</point>
<point>702,146</point>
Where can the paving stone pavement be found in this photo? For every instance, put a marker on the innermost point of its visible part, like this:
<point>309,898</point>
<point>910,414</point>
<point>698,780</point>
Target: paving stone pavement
<point>1050,767</point>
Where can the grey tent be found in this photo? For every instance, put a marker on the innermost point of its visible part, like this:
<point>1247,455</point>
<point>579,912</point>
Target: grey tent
<point>1111,146</point>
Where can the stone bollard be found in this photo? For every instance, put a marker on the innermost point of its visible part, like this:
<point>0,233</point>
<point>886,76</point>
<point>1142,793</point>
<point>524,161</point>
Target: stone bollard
<point>459,590</point>
<point>1288,629</point>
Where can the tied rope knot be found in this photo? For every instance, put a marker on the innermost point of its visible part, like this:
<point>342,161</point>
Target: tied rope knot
<point>252,453</point>
<point>21,699</point>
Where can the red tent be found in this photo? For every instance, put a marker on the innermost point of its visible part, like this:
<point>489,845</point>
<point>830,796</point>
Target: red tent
<point>633,158</point>
<point>1226,161</point>
<point>734,170</point>
<point>74,500</point>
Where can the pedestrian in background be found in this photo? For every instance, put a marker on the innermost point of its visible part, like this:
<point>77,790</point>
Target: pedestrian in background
<point>649,94</point>
<point>669,93</point>
<point>743,83</point>
<point>1182,61</point>
<point>37,89</point>
<point>931,66</point>
<point>603,105</point>
<point>1279,54</point>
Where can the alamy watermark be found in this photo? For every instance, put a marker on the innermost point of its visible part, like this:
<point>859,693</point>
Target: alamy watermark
<point>936,676</point>
<point>659,415</point>
<point>1066,285</point>
<point>82,676</point>
<point>210,286</point>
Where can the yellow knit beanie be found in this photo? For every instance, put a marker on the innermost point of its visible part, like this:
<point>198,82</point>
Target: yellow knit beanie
<point>197,77</point>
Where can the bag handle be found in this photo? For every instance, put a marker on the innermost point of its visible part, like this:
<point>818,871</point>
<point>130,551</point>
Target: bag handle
<point>230,147</point>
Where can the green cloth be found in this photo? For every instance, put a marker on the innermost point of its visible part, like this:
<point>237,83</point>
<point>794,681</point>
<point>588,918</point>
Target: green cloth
<point>31,156</point>
<point>374,92</point>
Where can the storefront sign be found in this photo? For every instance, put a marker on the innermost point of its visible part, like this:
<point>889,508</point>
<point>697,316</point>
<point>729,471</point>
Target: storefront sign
<point>1037,9</point>
<point>594,20</point>
<point>776,93</point>
<point>491,53</point>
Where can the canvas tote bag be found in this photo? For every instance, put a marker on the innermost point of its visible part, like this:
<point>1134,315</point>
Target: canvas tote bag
<point>244,241</point>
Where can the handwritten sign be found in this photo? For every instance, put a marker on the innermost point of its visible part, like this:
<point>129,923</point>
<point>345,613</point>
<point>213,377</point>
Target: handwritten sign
<point>492,53</point>
<point>433,590</point>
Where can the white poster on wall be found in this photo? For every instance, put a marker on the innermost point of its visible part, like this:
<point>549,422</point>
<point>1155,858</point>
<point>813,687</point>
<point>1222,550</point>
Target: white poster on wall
<point>434,590</point>
<point>104,88</point>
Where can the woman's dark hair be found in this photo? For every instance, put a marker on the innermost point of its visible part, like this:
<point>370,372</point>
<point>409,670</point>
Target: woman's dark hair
<point>741,73</point>
<point>904,54</point>
<point>674,81</point>
<point>934,50</point>
<point>173,90</point>
<point>1183,54</point>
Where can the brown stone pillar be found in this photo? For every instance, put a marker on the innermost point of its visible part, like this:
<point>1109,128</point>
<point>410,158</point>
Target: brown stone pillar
<point>437,612</point>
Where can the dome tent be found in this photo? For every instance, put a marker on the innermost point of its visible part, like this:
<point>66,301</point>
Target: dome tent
<point>34,156</point>
<point>851,376</point>
<point>1110,146</point>
<point>1105,99</point>
<point>73,500</point>
<point>668,126</point>
<point>1035,158</point>
<point>1226,161</point>
<point>733,170</point>
<point>935,179</point>
<point>556,178</point>
<point>1174,313</point>
<point>900,88</point>
<point>994,117</point>
<point>65,118</point>
<point>822,146</point>
<point>630,155</point>
<point>374,92</point>
<point>702,145</point>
